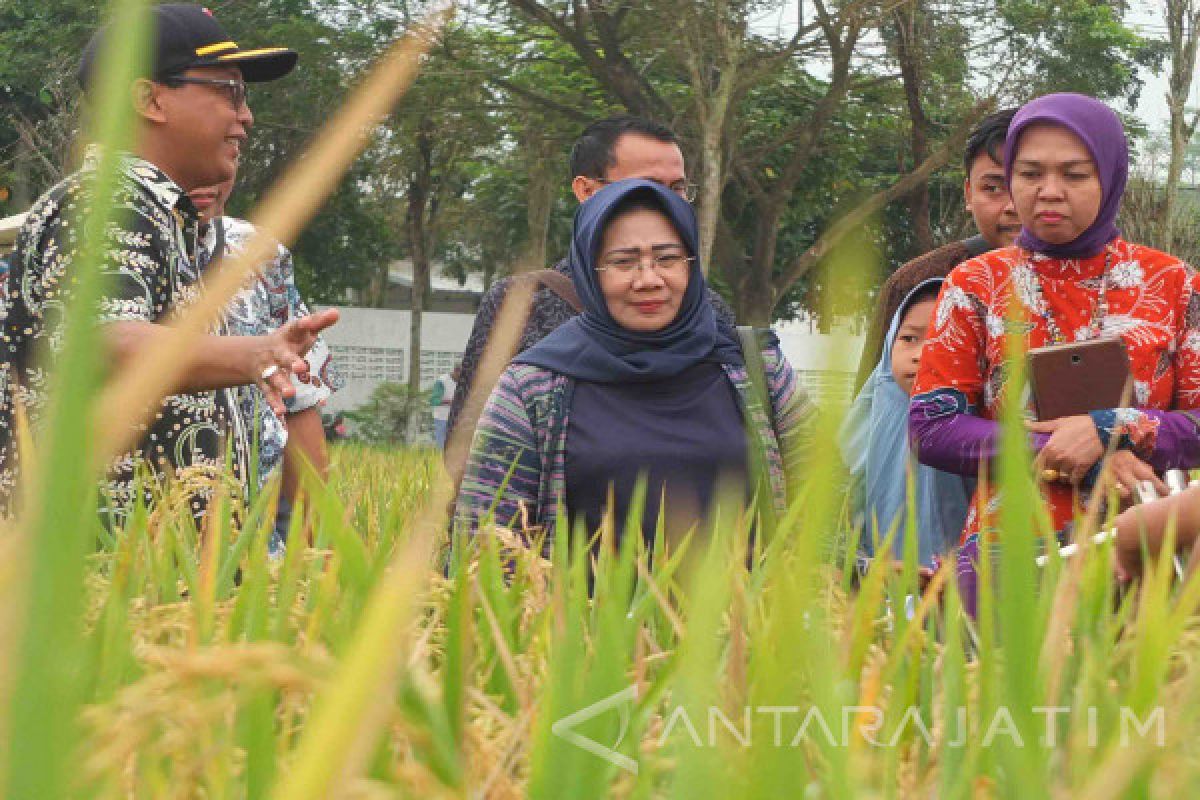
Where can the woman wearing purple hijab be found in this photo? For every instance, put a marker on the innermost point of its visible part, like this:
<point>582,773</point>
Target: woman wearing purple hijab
<point>1074,279</point>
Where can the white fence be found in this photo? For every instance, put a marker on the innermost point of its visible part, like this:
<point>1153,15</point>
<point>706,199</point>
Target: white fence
<point>370,346</point>
<point>827,386</point>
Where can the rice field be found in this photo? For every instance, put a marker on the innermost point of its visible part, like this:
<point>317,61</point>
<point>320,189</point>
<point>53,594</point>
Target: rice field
<point>379,663</point>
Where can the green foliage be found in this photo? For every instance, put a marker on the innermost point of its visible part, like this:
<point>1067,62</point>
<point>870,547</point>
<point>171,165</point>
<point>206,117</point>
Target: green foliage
<point>40,43</point>
<point>206,667</point>
<point>59,513</point>
<point>819,145</point>
<point>1078,46</point>
<point>383,419</point>
<point>152,659</point>
<point>356,232</point>
<point>507,91</point>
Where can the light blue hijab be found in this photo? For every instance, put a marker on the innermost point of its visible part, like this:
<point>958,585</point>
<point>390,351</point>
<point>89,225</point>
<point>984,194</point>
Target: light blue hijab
<point>875,445</point>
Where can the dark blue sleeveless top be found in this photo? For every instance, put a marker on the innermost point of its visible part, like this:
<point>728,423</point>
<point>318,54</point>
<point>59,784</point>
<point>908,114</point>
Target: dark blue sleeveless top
<point>685,433</point>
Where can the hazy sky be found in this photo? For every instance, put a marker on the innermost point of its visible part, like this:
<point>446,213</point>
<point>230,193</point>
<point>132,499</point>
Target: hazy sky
<point>1146,16</point>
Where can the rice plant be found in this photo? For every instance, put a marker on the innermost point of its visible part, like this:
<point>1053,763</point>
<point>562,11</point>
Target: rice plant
<point>367,664</point>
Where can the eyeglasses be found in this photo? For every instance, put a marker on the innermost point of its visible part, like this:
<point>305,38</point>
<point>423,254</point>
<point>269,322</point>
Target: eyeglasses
<point>235,90</point>
<point>685,190</point>
<point>663,263</point>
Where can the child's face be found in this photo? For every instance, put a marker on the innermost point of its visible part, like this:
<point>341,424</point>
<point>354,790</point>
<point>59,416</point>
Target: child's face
<point>906,352</point>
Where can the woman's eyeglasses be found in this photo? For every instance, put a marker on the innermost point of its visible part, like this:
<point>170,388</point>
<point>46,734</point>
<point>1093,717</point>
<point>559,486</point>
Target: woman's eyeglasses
<point>235,90</point>
<point>663,263</point>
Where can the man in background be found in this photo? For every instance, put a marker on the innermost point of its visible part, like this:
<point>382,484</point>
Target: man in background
<point>441,396</point>
<point>985,192</point>
<point>263,306</point>
<point>191,118</point>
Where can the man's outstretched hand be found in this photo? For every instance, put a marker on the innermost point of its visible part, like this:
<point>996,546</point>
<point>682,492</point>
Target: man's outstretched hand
<point>280,355</point>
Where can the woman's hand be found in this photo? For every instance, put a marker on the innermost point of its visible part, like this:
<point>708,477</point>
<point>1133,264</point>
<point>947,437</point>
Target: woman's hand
<point>1125,471</point>
<point>1074,446</point>
<point>1147,524</point>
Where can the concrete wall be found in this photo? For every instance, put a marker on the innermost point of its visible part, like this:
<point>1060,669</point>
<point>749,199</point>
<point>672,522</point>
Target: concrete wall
<point>824,363</point>
<point>370,345</point>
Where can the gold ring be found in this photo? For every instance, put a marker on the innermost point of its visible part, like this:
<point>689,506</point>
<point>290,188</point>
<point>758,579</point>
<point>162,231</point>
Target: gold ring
<point>1050,475</point>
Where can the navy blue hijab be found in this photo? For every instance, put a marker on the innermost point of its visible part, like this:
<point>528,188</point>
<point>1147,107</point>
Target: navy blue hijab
<point>593,346</point>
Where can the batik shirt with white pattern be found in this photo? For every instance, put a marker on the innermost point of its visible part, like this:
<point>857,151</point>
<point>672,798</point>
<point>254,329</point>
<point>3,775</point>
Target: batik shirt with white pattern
<point>151,271</point>
<point>1152,303</point>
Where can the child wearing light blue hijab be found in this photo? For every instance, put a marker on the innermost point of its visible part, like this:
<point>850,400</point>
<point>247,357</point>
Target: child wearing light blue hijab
<point>876,448</point>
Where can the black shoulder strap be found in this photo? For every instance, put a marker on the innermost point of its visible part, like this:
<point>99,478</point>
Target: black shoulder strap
<point>751,344</point>
<point>757,440</point>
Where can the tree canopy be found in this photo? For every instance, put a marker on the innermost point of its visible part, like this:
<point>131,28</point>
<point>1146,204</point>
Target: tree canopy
<point>800,120</point>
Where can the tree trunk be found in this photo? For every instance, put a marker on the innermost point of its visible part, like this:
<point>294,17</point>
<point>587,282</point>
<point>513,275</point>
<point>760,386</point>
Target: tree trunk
<point>758,281</point>
<point>489,274</point>
<point>756,296</point>
<point>22,196</point>
<point>539,198</point>
<point>708,201</point>
<point>378,287</point>
<point>420,287</point>
<point>714,77</point>
<point>420,197</point>
<point>1183,21</point>
<point>908,54</point>
<point>755,301</point>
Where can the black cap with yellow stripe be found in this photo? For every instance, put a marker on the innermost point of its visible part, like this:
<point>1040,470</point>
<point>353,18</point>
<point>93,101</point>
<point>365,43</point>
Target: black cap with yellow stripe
<point>187,36</point>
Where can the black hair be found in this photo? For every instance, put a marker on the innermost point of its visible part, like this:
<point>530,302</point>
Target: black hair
<point>927,291</point>
<point>595,151</point>
<point>988,137</point>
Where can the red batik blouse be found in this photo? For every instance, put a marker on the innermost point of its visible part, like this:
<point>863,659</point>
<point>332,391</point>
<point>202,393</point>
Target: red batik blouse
<point>1151,302</point>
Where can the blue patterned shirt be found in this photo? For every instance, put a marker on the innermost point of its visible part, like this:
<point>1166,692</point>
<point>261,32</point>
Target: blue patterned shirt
<point>268,302</point>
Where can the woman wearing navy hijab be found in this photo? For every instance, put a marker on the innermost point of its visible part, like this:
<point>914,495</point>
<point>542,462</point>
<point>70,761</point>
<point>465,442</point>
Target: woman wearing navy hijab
<point>1074,278</point>
<point>646,382</point>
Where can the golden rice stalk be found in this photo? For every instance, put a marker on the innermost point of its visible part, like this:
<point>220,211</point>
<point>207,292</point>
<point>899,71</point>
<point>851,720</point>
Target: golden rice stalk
<point>349,716</point>
<point>346,721</point>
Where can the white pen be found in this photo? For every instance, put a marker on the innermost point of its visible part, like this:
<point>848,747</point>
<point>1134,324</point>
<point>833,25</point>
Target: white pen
<point>1070,550</point>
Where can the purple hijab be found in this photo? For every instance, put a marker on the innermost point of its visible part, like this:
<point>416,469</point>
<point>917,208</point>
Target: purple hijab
<point>1100,129</point>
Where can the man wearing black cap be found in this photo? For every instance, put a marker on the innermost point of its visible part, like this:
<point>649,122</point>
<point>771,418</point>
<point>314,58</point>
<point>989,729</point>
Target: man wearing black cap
<point>191,118</point>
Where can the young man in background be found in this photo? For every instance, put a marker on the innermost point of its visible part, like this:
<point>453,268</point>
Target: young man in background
<point>985,192</point>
